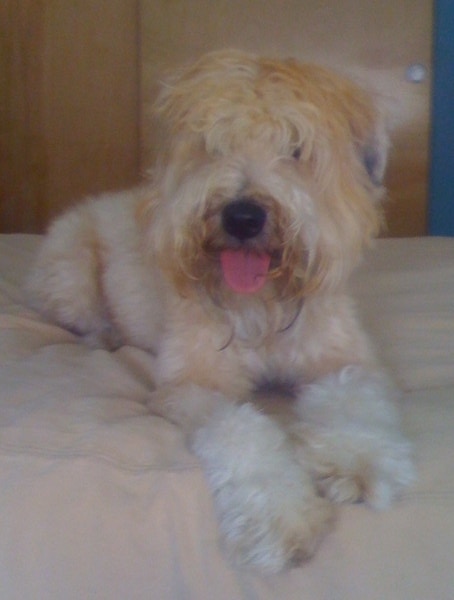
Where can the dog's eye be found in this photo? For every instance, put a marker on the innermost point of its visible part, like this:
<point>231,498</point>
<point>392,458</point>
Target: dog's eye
<point>296,153</point>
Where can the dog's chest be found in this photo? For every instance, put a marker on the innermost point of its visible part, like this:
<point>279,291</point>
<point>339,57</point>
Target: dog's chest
<point>196,348</point>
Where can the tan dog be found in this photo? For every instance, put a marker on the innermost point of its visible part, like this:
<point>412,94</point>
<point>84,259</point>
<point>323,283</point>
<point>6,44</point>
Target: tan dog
<point>231,269</point>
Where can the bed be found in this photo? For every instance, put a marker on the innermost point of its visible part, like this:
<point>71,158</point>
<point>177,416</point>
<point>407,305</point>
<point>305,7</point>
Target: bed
<point>100,500</point>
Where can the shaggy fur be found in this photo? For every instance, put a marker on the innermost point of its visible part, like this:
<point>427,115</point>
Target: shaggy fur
<point>230,268</point>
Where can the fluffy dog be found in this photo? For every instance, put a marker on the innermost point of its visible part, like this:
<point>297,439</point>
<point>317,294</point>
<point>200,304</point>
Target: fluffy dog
<point>230,268</point>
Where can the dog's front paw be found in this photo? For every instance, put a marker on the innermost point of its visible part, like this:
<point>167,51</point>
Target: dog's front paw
<point>271,527</point>
<point>373,467</point>
<point>350,437</point>
<point>270,516</point>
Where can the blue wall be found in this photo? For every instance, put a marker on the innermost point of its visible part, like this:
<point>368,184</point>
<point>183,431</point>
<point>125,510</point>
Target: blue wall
<point>441,200</point>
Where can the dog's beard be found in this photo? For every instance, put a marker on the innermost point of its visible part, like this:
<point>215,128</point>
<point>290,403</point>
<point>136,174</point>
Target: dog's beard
<point>266,307</point>
<point>270,270</point>
<point>278,266</point>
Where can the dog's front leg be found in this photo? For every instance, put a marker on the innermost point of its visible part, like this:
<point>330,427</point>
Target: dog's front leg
<point>350,435</point>
<point>269,512</point>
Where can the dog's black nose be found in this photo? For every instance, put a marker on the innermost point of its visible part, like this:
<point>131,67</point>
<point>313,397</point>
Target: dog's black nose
<point>243,219</point>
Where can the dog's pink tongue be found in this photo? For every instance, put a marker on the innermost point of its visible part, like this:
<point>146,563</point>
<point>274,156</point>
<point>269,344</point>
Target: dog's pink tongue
<point>244,272</point>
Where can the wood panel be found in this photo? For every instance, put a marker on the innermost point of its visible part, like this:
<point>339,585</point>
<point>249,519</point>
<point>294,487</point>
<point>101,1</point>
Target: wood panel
<point>373,41</point>
<point>68,105</point>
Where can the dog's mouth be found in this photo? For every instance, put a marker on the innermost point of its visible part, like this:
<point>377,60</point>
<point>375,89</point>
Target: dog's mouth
<point>242,239</point>
<point>245,271</point>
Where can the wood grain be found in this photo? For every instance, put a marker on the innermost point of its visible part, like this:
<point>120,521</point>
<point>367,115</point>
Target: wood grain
<point>69,105</point>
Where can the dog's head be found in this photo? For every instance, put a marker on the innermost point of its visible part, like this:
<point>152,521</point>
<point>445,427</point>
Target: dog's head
<point>269,180</point>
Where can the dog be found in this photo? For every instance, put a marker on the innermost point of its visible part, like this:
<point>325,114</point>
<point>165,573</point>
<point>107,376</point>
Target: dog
<point>230,267</point>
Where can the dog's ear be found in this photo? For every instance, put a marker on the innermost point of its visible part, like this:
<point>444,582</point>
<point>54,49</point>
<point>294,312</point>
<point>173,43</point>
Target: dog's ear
<point>357,116</point>
<point>374,157</point>
<point>373,142</point>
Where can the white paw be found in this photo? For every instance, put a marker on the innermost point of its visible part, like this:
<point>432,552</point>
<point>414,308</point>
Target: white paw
<point>271,531</point>
<point>351,441</point>
<point>270,516</point>
<point>365,467</point>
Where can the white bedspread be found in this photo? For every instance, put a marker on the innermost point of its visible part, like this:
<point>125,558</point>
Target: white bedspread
<point>100,500</point>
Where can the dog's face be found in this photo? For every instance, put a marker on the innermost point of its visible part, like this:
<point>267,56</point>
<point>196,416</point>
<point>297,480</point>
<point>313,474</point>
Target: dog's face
<point>270,180</point>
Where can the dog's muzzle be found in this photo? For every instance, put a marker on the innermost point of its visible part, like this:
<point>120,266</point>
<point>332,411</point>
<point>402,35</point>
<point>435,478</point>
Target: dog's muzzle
<point>243,219</point>
<point>244,270</point>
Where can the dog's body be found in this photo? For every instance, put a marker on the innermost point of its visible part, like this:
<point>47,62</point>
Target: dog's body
<point>230,268</point>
